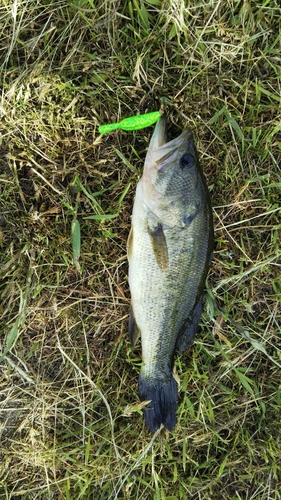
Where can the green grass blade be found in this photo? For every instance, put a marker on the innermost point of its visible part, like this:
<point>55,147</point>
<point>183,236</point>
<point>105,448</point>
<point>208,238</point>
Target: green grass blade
<point>126,161</point>
<point>76,242</point>
<point>11,338</point>
<point>233,123</point>
<point>101,217</point>
<point>216,115</point>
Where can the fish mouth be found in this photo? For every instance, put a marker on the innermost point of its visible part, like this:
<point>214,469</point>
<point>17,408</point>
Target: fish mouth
<point>161,152</point>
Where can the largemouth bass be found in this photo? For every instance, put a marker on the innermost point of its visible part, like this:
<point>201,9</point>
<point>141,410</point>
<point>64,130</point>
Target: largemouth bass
<point>169,251</point>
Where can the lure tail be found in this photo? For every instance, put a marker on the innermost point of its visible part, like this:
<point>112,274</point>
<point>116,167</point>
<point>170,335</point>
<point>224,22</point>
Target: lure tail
<point>163,396</point>
<point>132,123</point>
<point>105,129</point>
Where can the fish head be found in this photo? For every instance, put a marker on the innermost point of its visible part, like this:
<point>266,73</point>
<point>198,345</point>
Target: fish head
<point>173,184</point>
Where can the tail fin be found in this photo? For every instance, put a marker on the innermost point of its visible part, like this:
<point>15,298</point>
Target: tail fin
<point>163,394</point>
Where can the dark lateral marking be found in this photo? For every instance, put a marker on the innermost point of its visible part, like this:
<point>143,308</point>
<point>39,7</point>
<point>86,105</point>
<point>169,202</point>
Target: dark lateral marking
<point>159,245</point>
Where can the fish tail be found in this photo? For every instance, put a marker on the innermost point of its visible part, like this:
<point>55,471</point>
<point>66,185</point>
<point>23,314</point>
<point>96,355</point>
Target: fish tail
<point>163,396</point>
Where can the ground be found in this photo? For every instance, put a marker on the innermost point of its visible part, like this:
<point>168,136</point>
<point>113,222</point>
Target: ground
<point>70,416</point>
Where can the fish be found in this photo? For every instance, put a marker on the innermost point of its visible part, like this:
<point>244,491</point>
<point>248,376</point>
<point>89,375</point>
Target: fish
<point>169,248</point>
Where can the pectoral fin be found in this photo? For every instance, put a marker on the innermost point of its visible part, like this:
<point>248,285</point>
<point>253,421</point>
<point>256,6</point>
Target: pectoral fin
<point>130,243</point>
<point>159,245</point>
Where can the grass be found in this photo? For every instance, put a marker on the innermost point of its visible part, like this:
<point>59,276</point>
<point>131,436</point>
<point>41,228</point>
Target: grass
<point>71,425</point>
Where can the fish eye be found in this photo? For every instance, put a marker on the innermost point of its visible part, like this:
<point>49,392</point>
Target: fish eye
<point>186,161</point>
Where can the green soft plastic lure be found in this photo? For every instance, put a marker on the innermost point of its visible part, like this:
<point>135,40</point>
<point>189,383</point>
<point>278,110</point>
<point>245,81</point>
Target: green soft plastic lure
<point>132,123</point>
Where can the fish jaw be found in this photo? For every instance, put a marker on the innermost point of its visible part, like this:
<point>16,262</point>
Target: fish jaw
<point>167,186</point>
<point>160,153</point>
